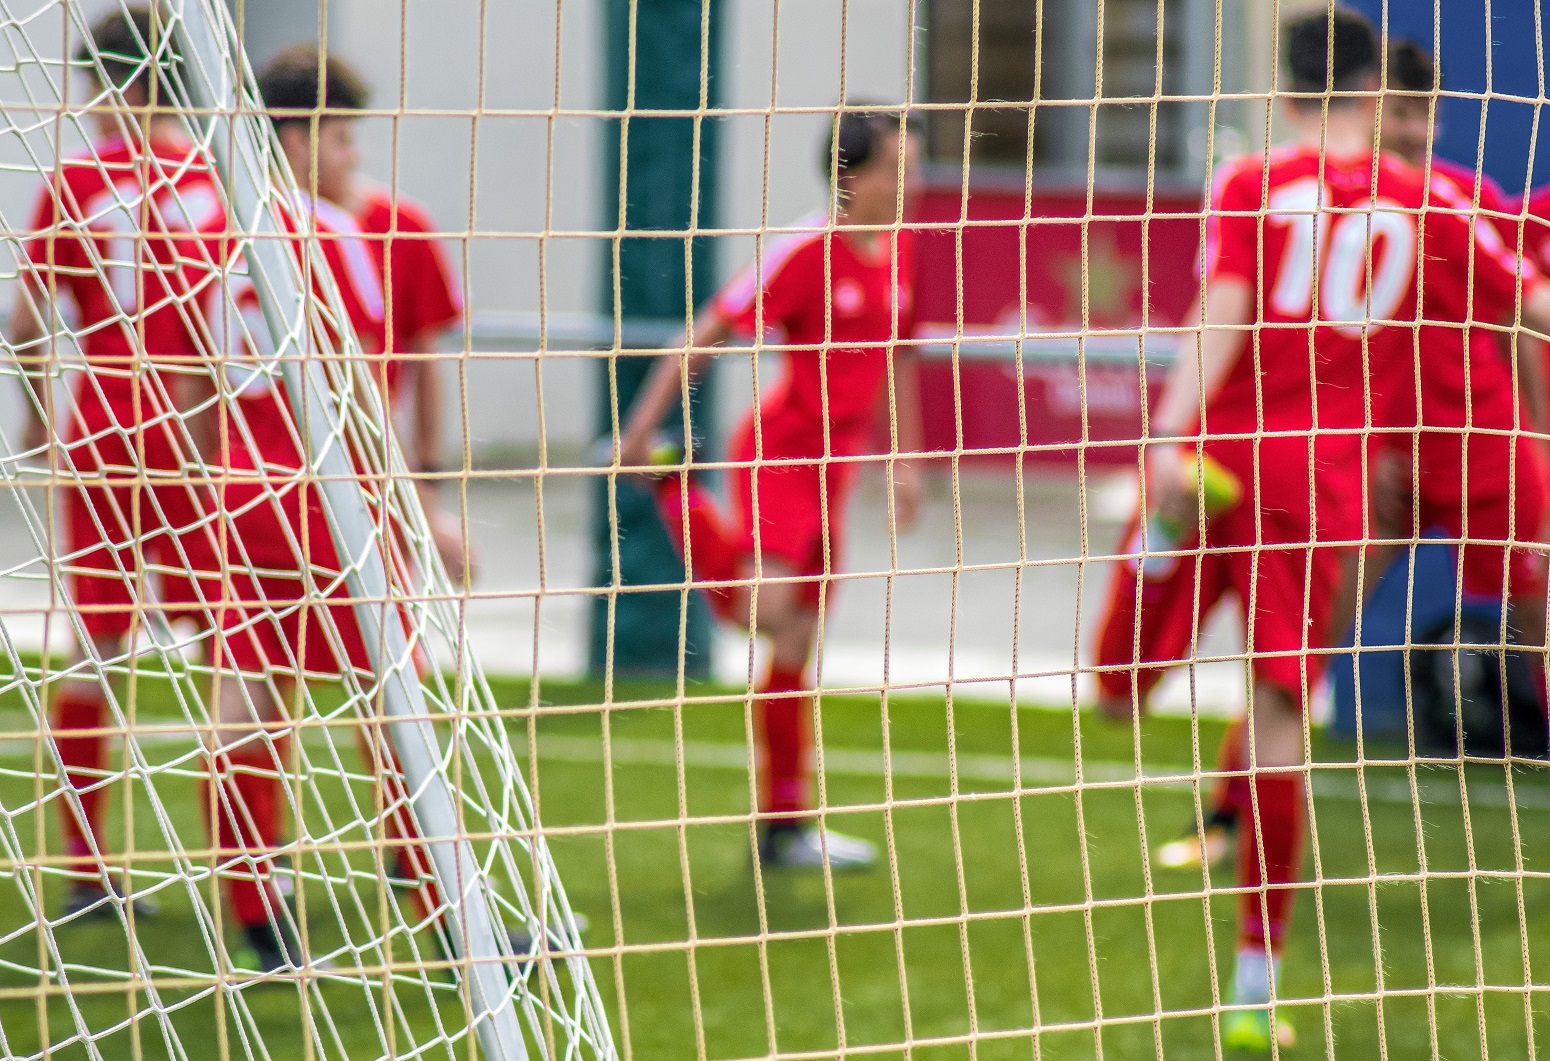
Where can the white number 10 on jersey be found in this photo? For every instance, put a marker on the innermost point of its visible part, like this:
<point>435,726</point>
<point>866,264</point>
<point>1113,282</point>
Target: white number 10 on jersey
<point>1343,244</point>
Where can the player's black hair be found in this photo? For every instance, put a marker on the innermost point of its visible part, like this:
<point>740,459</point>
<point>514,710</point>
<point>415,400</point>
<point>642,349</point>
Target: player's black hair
<point>298,83</point>
<point>854,136</point>
<point>1410,68</point>
<point>122,41</point>
<point>1331,51</point>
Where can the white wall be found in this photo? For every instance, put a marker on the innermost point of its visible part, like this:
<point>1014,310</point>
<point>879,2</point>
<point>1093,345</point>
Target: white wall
<point>486,124</point>
<point>533,199</point>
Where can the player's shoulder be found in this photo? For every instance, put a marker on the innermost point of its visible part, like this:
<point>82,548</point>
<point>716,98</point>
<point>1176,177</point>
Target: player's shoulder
<point>796,249</point>
<point>330,217</point>
<point>1246,175</point>
<point>385,209</point>
<point>1237,170</point>
<point>801,243</point>
<point>93,166</point>
<point>1539,202</point>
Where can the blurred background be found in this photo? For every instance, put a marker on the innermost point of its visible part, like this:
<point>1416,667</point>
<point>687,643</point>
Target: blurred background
<point>1054,182</point>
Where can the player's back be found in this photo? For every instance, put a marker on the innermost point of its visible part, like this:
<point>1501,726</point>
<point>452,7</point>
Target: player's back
<point>837,309</point>
<point>253,370</point>
<point>1329,246</point>
<point>417,281</point>
<point>125,233</point>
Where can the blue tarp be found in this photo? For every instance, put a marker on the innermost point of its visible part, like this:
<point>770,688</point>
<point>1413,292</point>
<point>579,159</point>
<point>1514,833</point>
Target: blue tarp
<point>1456,32</point>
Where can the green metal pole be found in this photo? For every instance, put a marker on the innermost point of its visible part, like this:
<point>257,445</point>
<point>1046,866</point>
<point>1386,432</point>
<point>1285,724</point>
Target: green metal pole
<point>653,168</point>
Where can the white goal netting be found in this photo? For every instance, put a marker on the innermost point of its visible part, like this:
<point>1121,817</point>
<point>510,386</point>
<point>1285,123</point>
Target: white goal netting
<point>378,935</point>
<point>664,557</point>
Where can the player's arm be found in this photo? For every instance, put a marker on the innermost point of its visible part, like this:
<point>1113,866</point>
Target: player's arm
<point>1531,369</point>
<point>910,435</point>
<point>1207,353</point>
<point>424,380</point>
<point>426,383</point>
<point>668,382</point>
<point>26,330</point>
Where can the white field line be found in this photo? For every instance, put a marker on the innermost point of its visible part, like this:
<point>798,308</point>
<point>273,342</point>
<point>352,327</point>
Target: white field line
<point>1330,781</point>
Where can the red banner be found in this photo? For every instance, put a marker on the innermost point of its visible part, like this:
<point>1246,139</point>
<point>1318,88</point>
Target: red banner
<point>1140,273</point>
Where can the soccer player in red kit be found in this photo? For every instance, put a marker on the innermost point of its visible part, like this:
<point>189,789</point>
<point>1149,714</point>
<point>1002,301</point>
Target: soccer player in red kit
<point>1473,475</point>
<point>1279,398</point>
<point>117,232</point>
<point>421,291</point>
<point>284,623</point>
<point>281,552</point>
<point>839,293</point>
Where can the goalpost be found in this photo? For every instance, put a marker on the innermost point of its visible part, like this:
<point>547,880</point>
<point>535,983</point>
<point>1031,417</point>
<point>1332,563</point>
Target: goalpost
<point>469,798</point>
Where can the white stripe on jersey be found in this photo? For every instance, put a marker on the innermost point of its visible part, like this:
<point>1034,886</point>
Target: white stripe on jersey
<point>737,297</point>
<point>1486,236</point>
<point>362,278</point>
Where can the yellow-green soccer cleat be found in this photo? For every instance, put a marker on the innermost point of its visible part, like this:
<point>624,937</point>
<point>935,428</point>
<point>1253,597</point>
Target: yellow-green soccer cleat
<point>1193,848</point>
<point>1249,1031</point>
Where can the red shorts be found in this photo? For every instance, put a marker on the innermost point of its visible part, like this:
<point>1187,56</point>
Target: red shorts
<point>1499,521</point>
<point>123,525</point>
<point>1284,577</point>
<point>289,609</point>
<point>801,502</point>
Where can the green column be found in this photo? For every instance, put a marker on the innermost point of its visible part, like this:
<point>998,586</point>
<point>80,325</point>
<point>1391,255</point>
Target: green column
<point>676,60</point>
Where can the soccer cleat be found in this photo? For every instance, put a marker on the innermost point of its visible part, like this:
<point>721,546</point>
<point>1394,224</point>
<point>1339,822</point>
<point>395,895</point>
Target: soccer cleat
<point>89,900</point>
<point>811,847</point>
<point>269,949</point>
<point>1206,846</point>
<point>1249,1031</point>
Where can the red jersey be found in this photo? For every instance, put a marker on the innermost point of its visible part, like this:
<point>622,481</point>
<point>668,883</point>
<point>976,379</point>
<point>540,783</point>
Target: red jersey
<point>121,232</point>
<point>1360,216</point>
<point>419,282</point>
<point>1536,233</point>
<point>252,369</point>
<point>840,314</point>
<point>1466,378</point>
<point>1493,197</point>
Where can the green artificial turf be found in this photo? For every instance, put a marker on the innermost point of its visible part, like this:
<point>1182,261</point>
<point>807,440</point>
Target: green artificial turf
<point>992,914</point>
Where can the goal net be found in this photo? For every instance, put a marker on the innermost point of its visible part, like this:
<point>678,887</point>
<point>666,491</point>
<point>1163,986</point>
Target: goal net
<point>406,893</point>
<point>724,625</point>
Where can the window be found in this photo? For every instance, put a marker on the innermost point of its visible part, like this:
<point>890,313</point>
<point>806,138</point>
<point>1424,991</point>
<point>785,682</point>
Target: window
<point>1010,48</point>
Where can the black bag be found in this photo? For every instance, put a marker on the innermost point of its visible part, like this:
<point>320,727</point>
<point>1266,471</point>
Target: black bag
<point>1448,702</point>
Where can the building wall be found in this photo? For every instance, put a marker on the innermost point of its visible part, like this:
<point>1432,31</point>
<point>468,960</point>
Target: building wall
<point>525,220</point>
<point>493,126</point>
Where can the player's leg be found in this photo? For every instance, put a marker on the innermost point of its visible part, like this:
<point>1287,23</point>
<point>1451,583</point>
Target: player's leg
<point>1229,790</point>
<point>1525,559</point>
<point>79,719</point>
<point>1270,848</point>
<point>1500,554</point>
<point>712,546</point>
<point>713,540</point>
<point>799,509</point>
<point>1150,623</point>
<point>243,795</point>
<point>1291,589</point>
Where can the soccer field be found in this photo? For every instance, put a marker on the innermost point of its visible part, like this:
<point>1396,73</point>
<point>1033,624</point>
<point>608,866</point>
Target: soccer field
<point>1019,912</point>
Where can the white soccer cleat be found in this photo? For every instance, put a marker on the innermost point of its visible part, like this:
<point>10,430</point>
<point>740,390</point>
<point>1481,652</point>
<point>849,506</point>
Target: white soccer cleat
<point>810,847</point>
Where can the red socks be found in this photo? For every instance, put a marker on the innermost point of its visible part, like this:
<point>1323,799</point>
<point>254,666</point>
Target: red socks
<point>785,783</point>
<point>1230,790</point>
<point>1263,913</point>
<point>247,804</point>
<point>712,548</point>
<point>83,755</point>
